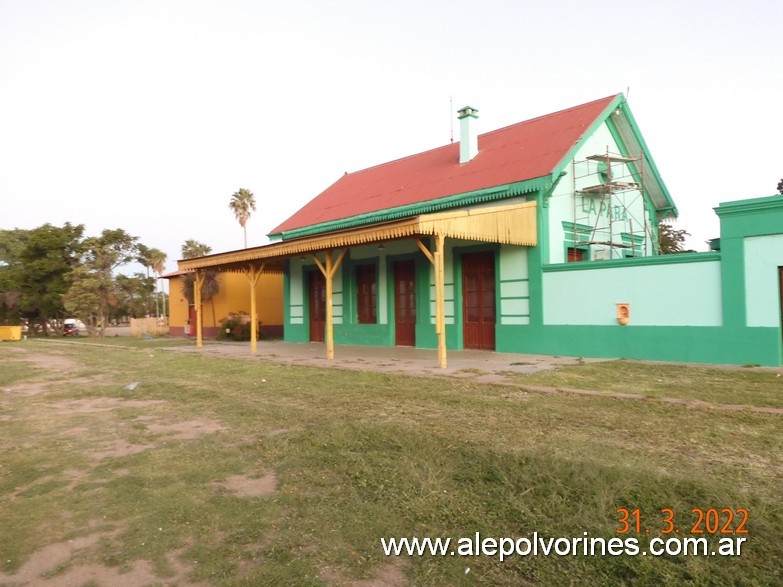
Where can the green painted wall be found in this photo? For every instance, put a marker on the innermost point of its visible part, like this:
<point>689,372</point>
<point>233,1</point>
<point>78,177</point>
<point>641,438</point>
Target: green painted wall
<point>658,343</point>
<point>513,287</point>
<point>448,286</point>
<point>425,320</point>
<point>763,257</point>
<point>607,218</point>
<point>364,334</point>
<point>295,294</point>
<point>683,292</point>
<point>741,223</point>
<point>726,308</point>
<point>346,328</point>
<point>705,307</point>
<point>294,328</point>
<point>338,297</point>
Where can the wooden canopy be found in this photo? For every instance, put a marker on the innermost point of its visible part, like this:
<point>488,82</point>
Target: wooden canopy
<point>513,224</point>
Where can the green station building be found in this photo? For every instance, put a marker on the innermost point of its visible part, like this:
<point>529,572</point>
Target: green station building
<point>540,237</point>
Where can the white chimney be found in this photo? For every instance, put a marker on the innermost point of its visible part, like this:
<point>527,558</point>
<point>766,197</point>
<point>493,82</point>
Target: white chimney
<point>468,137</point>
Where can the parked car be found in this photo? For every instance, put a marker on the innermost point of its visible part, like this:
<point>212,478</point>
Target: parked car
<point>70,329</point>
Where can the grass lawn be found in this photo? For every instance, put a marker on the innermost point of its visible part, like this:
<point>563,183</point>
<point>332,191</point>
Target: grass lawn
<point>221,471</point>
<point>753,387</point>
<point>154,342</point>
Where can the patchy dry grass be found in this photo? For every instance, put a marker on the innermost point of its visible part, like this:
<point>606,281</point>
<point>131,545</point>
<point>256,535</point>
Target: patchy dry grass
<point>129,341</point>
<point>753,387</point>
<point>221,471</point>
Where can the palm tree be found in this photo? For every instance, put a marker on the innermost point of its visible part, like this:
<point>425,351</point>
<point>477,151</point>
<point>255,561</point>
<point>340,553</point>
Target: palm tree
<point>209,289</point>
<point>157,260</point>
<point>211,286</point>
<point>143,257</point>
<point>192,249</point>
<point>242,203</point>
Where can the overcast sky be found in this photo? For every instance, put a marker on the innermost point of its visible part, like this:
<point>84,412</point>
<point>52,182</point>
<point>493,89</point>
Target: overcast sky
<point>148,115</point>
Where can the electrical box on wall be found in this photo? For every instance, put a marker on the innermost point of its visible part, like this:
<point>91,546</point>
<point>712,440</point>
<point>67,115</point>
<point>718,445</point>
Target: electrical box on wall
<point>623,313</point>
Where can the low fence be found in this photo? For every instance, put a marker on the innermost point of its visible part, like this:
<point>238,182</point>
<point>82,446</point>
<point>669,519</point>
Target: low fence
<point>149,326</point>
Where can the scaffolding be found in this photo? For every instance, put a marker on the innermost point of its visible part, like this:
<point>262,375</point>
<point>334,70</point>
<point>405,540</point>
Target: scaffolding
<point>606,221</point>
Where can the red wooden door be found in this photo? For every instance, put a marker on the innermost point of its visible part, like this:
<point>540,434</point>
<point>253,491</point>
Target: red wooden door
<point>478,300</point>
<point>317,288</point>
<point>405,303</point>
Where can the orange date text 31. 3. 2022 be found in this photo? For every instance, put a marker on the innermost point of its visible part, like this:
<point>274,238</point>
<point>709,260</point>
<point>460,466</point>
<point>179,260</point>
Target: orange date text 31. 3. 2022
<point>698,521</point>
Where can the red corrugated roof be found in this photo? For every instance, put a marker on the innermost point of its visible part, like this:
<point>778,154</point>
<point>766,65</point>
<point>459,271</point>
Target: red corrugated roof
<point>519,152</point>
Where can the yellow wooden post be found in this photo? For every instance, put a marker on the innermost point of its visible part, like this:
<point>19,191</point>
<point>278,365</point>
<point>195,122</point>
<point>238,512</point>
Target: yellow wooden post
<point>329,288</point>
<point>327,328</point>
<point>426,251</point>
<point>436,259</point>
<point>197,302</point>
<point>329,314</point>
<point>329,270</point>
<point>253,275</point>
<point>440,298</point>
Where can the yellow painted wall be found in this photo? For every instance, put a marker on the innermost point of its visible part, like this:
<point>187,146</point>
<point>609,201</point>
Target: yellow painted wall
<point>178,305</point>
<point>233,297</point>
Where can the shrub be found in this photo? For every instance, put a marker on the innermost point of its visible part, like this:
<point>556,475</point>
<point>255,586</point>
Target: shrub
<point>235,327</point>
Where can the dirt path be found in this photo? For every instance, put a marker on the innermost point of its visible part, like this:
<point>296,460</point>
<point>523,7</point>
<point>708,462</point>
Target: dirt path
<point>76,562</point>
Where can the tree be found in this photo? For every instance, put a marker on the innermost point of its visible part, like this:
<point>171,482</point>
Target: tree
<point>209,289</point>
<point>243,202</point>
<point>93,288</point>
<point>143,258</point>
<point>154,259</point>
<point>130,295</point>
<point>671,241</point>
<point>211,286</point>
<point>83,298</point>
<point>12,242</point>
<point>192,249</point>
<point>47,260</point>
<point>158,265</point>
<point>780,186</point>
